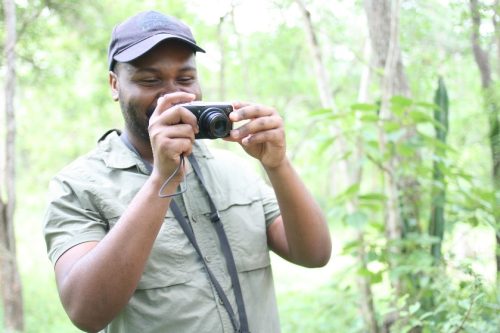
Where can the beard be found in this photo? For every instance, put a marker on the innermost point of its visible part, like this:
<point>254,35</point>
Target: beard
<point>136,121</point>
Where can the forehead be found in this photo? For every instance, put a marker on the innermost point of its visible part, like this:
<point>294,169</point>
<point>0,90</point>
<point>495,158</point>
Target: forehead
<point>168,54</point>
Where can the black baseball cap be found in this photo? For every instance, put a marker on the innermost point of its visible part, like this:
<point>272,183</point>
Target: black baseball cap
<point>140,33</point>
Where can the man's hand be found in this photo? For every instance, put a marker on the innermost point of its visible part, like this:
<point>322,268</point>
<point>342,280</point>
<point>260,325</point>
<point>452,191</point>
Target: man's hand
<point>263,136</point>
<point>172,129</point>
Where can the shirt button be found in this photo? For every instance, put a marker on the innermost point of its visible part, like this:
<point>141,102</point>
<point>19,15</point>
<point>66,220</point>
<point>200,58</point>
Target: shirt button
<point>220,301</point>
<point>194,219</point>
<point>207,258</point>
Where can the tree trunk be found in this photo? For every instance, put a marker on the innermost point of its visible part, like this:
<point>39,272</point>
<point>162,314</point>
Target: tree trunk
<point>402,191</point>
<point>492,108</point>
<point>353,177</point>
<point>322,79</point>
<point>222,66</point>
<point>383,24</point>
<point>383,27</point>
<point>242,54</point>
<point>387,55</point>
<point>494,136</point>
<point>11,282</point>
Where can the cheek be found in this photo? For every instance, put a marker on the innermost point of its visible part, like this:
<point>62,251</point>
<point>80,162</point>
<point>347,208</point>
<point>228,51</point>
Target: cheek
<point>196,90</point>
<point>138,97</point>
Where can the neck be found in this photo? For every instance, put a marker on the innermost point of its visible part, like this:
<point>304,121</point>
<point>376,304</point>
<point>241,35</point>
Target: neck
<point>143,147</point>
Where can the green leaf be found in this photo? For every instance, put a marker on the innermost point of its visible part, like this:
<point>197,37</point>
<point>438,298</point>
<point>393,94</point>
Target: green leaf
<point>373,197</point>
<point>325,144</point>
<point>364,107</point>
<point>351,190</point>
<point>391,126</point>
<point>401,101</point>
<point>426,315</point>
<point>321,112</point>
<point>420,117</point>
<point>395,136</point>
<point>426,105</point>
<point>376,277</point>
<point>414,308</point>
<point>369,117</point>
<point>464,304</point>
<point>350,247</point>
<point>357,219</point>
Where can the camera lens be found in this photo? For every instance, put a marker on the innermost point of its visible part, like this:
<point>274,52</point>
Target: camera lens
<point>215,123</point>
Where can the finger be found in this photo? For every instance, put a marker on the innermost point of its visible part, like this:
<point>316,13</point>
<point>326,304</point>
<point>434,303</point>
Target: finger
<point>175,147</point>
<point>173,132</point>
<point>257,125</point>
<point>166,101</point>
<point>251,111</point>
<point>275,136</point>
<point>176,115</point>
<point>239,104</point>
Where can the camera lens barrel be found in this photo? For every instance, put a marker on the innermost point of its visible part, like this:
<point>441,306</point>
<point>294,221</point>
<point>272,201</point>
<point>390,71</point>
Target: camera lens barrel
<point>213,119</point>
<point>215,123</point>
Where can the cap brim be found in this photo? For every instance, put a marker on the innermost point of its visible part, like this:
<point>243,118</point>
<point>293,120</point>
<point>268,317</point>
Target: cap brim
<point>137,50</point>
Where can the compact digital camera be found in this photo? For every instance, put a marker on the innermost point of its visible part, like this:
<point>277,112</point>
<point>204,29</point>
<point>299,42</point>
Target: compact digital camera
<point>213,119</point>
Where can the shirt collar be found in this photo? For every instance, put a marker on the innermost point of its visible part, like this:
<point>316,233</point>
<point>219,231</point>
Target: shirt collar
<point>117,155</point>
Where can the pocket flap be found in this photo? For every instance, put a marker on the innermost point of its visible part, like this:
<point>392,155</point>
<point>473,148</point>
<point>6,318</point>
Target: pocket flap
<point>253,262</point>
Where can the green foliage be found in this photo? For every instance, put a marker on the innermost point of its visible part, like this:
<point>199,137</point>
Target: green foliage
<point>43,307</point>
<point>464,305</point>
<point>424,283</point>
<point>330,308</point>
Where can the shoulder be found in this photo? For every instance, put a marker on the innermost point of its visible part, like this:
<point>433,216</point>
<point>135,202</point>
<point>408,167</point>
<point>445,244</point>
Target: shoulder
<point>88,171</point>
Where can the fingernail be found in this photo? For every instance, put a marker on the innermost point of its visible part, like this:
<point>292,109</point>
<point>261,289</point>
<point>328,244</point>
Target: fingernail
<point>235,134</point>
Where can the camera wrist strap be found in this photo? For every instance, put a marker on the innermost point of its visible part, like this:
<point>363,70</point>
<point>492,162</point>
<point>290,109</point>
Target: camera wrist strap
<point>242,327</point>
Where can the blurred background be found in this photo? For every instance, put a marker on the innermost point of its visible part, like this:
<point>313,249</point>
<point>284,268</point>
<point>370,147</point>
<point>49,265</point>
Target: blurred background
<point>391,113</point>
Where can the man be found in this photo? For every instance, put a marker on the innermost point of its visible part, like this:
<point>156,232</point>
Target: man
<point>123,261</point>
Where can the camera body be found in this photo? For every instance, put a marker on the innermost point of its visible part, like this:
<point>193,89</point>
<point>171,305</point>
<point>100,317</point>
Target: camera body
<point>213,118</point>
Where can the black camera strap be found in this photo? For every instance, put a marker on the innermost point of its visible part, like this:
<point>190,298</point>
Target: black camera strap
<point>242,327</point>
<point>226,250</point>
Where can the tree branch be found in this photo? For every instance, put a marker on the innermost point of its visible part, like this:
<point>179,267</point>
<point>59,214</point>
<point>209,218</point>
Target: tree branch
<point>480,55</point>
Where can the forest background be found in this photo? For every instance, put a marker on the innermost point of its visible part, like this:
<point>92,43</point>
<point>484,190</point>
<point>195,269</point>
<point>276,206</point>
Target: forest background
<point>391,113</point>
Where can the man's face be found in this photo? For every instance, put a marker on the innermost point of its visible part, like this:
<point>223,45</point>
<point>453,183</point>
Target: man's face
<point>137,85</point>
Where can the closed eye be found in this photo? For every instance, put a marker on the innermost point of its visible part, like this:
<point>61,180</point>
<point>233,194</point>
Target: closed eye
<point>149,81</point>
<point>185,79</point>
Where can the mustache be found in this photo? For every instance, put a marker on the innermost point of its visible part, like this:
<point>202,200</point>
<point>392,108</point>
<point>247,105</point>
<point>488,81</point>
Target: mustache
<point>149,111</point>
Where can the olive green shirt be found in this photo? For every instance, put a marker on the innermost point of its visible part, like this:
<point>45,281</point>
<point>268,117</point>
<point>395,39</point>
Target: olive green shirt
<point>174,294</point>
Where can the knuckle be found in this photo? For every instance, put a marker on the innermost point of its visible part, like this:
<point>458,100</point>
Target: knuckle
<point>262,121</point>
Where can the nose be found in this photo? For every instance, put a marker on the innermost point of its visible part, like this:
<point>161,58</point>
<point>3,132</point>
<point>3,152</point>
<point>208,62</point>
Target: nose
<point>168,87</point>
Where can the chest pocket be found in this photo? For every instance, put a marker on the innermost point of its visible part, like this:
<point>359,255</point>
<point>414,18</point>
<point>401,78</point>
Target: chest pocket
<point>244,223</point>
<point>242,215</point>
<point>166,265</point>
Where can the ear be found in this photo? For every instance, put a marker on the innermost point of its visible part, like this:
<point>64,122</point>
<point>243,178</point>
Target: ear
<point>113,83</point>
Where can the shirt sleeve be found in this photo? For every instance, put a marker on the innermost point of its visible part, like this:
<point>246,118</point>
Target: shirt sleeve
<point>269,202</point>
<point>70,219</point>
